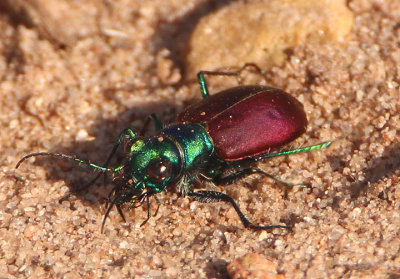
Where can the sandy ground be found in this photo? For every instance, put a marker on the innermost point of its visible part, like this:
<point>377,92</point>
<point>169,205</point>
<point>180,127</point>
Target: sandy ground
<point>73,75</point>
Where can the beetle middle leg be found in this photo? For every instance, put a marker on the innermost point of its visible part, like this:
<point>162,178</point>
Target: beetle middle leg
<point>157,122</point>
<point>214,196</point>
<point>232,177</point>
<point>203,84</point>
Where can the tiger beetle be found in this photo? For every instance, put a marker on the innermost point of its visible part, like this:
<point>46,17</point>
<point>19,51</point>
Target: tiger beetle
<point>217,140</point>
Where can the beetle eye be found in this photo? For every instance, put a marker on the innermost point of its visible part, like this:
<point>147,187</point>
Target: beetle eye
<point>159,170</point>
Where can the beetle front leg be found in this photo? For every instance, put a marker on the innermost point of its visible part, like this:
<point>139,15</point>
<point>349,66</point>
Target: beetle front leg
<point>213,196</point>
<point>148,211</point>
<point>140,200</point>
<point>126,132</point>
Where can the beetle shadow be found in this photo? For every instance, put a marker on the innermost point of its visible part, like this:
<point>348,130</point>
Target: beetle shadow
<point>105,132</point>
<point>172,35</point>
<point>216,268</point>
<point>381,167</point>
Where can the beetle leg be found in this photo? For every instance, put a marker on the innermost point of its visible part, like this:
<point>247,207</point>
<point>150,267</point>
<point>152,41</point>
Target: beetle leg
<point>157,122</point>
<point>203,84</point>
<point>158,205</point>
<point>230,178</point>
<point>213,196</point>
<point>121,213</point>
<point>126,132</point>
<point>112,202</point>
<point>148,210</point>
<point>298,150</point>
<point>202,81</point>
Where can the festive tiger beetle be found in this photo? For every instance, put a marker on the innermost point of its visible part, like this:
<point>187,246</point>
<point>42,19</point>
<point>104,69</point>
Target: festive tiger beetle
<point>218,140</point>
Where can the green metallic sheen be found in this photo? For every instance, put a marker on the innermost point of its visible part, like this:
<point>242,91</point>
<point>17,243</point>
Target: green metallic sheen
<point>194,141</point>
<point>185,146</point>
<point>178,155</point>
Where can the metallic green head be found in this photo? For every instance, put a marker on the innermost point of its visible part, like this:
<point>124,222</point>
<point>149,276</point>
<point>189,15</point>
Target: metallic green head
<point>154,163</point>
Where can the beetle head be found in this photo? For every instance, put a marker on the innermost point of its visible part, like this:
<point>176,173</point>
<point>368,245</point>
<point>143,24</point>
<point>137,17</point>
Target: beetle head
<point>153,164</point>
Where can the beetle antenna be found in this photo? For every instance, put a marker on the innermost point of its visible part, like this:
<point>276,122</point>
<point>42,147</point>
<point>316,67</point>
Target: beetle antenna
<point>63,156</point>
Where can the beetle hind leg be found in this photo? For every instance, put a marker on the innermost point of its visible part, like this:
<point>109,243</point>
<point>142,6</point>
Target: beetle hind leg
<point>213,196</point>
<point>230,178</point>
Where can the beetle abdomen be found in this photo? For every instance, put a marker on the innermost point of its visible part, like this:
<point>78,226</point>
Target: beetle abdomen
<point>246,121</point>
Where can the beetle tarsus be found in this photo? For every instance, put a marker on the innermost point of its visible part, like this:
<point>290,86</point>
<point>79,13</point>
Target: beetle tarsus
<point>213,196</point>
<point>148,210</point>
<point>231,178</point>
<point>121,213</point>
